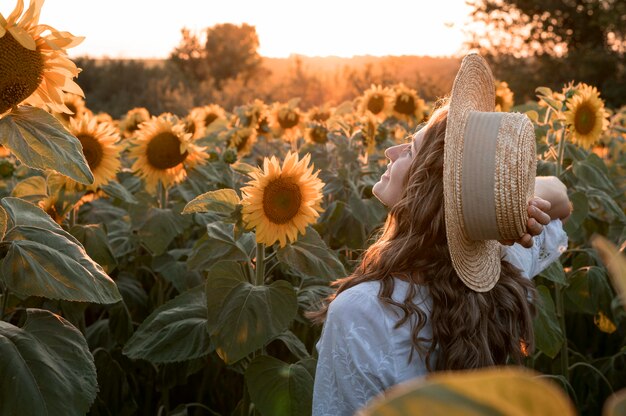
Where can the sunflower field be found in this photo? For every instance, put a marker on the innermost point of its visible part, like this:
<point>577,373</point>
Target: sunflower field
<point>163,264</point>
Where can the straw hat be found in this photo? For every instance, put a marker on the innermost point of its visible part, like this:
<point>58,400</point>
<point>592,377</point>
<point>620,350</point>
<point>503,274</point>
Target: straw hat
<point>489,175</point>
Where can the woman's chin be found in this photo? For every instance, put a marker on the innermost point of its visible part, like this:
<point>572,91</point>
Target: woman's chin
<point>377,191</point>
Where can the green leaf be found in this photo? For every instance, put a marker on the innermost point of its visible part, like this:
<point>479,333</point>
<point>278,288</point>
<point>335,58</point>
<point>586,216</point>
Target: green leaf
<point>114,396</point>
<point>311,257</point>
<point>34,187</point>
<point>222,201</point>
<point>96,244</point>
<point>281,389</point>
<point>117,190</point>
<point>219,244</point>
<point>176,331</point>
<point>159,228</point>
<point>615,262</point>
<point>555,273</point>
<point>601,293</point>
<point>610,206</point>
<point>176,272</point>
<point>293,343</point>
<point>41,142</point>
<point>578,293</point>
<point>46,368</point>
<point>243,317</point>
<point>581,210</point>
<point>21,212</point>
<point>592,176</point>
<point>41,262</point>
<point>548,335</point>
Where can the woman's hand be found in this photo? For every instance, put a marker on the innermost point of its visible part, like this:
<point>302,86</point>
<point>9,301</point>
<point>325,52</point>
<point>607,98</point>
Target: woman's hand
<point>538,216</point>
<point>554,191</point>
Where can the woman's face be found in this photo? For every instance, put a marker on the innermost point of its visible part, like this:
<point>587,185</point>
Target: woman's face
<point>390,186</point>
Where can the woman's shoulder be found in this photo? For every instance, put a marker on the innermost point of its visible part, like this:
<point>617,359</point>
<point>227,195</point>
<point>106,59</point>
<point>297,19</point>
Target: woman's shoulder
<point>360,296</point>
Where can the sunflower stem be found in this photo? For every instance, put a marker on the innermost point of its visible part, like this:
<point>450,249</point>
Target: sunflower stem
<point>260,264</point>
<point>162,191</point>
<point>560,153</point>
<point>72,218</point>
<point>5,302</point>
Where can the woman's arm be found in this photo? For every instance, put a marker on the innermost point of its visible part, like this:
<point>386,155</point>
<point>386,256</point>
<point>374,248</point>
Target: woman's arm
<point>554,191</point>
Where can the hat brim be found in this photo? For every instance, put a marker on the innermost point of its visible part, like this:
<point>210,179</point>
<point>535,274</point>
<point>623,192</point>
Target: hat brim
<point>477,262</point>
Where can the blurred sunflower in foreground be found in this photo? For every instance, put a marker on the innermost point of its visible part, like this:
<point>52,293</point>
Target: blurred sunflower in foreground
<point>504,97</point>
<point>34,68</point>
<point>281,201</point>
<point>586,116</point>
<point>100,142</point>
<point>164,151</point>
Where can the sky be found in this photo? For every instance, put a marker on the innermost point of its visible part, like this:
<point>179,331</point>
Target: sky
<point>151,28</point>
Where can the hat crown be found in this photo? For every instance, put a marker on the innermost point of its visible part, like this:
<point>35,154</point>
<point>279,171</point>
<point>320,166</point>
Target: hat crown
<point>494,188</point>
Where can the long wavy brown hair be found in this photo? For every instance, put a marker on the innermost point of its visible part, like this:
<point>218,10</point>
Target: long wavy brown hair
<point>469,329</point>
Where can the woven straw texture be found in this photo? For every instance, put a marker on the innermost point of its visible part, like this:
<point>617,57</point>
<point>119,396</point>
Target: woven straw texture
<point>477,262</point>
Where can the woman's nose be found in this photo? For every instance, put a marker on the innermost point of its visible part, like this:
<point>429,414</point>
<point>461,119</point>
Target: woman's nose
<point>393,151</point>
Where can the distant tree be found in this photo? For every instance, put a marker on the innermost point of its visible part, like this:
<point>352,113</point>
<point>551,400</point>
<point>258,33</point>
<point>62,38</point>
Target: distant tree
<point>190,56</point>
<point>228,52</point>
<point>231,50</point>
<point>557,40</point>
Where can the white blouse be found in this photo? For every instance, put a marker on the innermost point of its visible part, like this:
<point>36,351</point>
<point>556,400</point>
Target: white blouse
<point>361,354</point>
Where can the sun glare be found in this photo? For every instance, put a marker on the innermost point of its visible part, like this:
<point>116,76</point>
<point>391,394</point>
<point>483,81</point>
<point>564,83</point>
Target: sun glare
<point>324,28</point>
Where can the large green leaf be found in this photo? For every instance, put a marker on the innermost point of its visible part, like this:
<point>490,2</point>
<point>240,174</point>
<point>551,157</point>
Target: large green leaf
<point>115,395</point>
<point>223,201</point>
<point>175,331</point>
<point>41,142</point>
<point>117,190</point>
<point>242,317</point>
<point>311,257</point>
<point>46,367</point>
<point>41,262</point>
<point>219,244</point>
<point>281,389</point>
<point>548,335</point>
<point>592,176</point>
<point>581,210</point>
<point>159,228</point>
<point>555,273</point>
<point>21,212</point>
<point>93,238</point>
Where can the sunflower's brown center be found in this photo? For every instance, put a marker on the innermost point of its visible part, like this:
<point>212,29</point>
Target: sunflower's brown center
<point>92,149</point>
<point>585,119</point>
<point>321,116</point>
<point>210,118</point>
<point>405,104</point>
<point>164,151</point>
<point>288,119</point>
<point>243,140</point>
<point>281,200</point>
<point>376,103</point>
<point>21,72</point>
<point>319,134</point>
<point>190,126</point>
<point>499,101</point>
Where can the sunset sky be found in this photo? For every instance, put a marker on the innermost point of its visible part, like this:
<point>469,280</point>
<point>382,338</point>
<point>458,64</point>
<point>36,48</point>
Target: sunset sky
<point>151,28</point>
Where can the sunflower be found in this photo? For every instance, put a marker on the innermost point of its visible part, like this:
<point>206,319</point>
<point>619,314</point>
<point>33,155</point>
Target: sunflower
<point>207,114</point>
<point>281,201</point>
<point>586,116</point>
<point>76,104</point>
<point>316,133</point>
<point>34,68</point>
<point>131,121</point>
<point>286,120</point>
<point>242,139</point>
<point>369,128</point>
<point>504,97</point>
<point>164,152</point>
<point>376,100</point>
<point>194,126</point>
<point>100,142</point>
<point>320,114</point>
<point>407,105</point>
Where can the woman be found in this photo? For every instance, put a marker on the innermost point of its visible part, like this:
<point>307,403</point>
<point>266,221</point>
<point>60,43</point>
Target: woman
<point>410,307</point>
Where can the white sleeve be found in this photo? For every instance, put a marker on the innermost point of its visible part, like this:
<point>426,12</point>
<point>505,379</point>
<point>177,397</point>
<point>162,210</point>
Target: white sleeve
<point>547,247</point>
<point>355,361</point>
